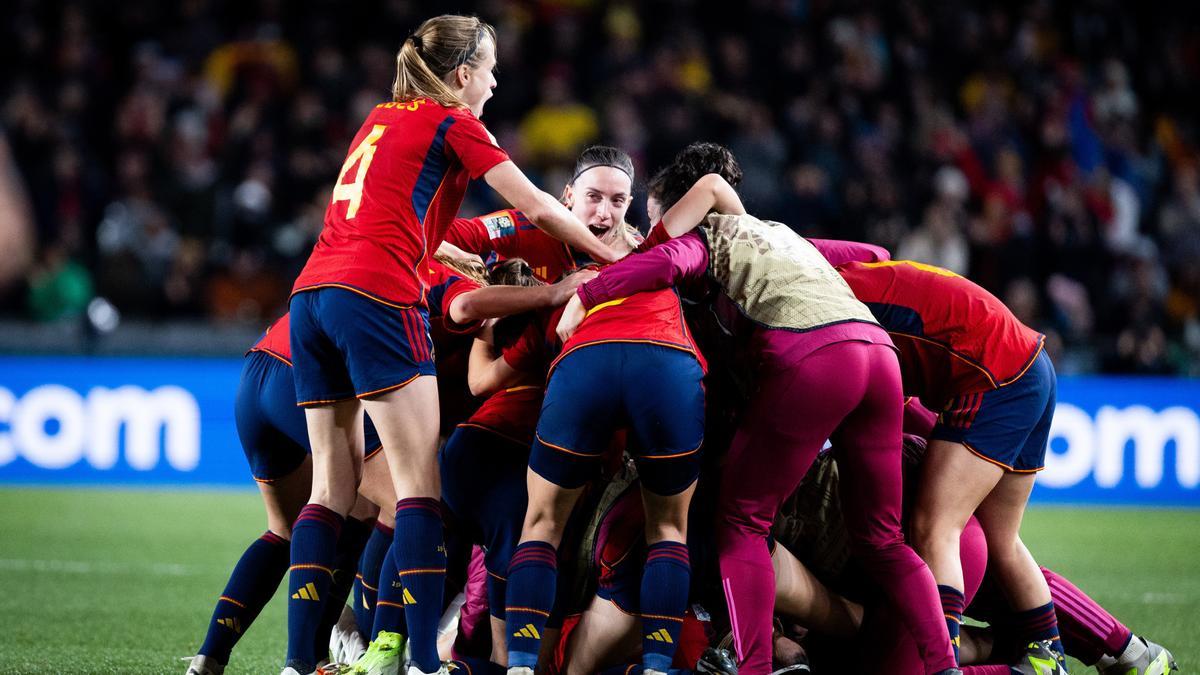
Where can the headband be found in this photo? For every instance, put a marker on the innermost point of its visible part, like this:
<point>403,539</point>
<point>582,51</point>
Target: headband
<point>593,166</point>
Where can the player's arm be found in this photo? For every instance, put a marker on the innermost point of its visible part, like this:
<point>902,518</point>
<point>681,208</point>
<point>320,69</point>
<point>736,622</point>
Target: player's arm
<point>455,253</point>
<point>496,301</point>
<point>487,371</point>
<point>839,252</point>
<point>661,267</point>
<point>545,211</point>
<point>710,193</point>
<point>469,235</point>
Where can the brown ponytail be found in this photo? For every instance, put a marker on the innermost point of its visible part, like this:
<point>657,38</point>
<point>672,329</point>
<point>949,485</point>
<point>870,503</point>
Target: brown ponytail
<point>435,50</point>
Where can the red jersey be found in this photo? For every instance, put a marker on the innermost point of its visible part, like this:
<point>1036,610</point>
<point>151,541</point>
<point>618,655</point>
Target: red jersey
<point>509,234</point>
<point>398,191</point>
<point>276,341</point>
<point>954,337</point>
<point>651,317</point>
<point>513,413</point>
<point>444,284</point>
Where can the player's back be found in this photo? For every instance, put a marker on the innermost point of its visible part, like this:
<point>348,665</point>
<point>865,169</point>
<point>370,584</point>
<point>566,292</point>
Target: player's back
<point>399,188</point>
<point>650,317</point>
<point>954,336</point>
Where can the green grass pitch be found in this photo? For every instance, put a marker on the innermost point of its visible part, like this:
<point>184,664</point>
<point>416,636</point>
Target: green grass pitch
<point>107,581</point>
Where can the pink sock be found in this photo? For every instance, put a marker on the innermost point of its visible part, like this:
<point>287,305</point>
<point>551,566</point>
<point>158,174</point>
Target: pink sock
<point>1088,630</point>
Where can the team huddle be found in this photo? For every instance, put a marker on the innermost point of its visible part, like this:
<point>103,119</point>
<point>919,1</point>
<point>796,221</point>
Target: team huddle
<point>537,442</point>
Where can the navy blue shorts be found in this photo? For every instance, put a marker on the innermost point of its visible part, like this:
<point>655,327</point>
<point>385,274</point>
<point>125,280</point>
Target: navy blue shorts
<point>345,345</point>
<point>483,485</point>
<point>655,391</point>
<point>270,425</point>
<point>1009,426</point>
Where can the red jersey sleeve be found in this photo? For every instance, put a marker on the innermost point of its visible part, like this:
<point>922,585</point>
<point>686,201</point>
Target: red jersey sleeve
<point>471,235</point>
<point>528,353</point>
<point>473,144</point>
<point>456,287</point>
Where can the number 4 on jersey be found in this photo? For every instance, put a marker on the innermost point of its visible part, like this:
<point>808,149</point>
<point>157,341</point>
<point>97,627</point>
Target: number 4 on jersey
<point>352,192</point>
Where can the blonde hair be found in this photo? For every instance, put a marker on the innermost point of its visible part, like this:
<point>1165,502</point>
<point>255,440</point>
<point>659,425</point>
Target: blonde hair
<point>433,51</point>
<point>470,268</point>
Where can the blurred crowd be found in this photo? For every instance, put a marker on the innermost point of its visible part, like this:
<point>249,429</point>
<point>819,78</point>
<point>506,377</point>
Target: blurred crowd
<point>176,158</point>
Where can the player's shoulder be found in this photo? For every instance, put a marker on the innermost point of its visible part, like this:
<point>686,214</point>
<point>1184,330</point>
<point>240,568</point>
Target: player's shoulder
<point>417,110</point>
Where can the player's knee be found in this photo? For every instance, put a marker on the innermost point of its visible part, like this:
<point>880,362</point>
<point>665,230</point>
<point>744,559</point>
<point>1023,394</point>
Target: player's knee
<point>541,525</point>
<point>931,535</point>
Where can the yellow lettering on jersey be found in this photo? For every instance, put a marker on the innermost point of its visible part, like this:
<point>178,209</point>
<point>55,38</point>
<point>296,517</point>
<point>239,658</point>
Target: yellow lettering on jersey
<point>362,155</point>
<point>932,269</point>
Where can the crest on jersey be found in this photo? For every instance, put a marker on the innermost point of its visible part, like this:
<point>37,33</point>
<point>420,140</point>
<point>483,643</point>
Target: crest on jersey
<point>499,225</point>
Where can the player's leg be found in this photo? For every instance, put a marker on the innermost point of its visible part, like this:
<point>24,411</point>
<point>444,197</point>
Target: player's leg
<point>800,596</point>
<point>356,532</point>
<point>333,421</point>
<point>604,635</point>
<point>1094,636</point>
<point>1014,568</point>
<point>484,486</point>
<point>667,417</point>
<point>376,486</point>
<point>783,428</point>
<point>261,568</point>
<point>407,422</point>
<point>954,482</point>
<point>271,430</point>
<point>666,578</point>
<point>335,432</point>
<point>867,444</point>
<point>573,431</point>
<point>533,569</point>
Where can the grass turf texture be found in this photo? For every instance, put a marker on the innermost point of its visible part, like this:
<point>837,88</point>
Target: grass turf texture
<point>106,581</point>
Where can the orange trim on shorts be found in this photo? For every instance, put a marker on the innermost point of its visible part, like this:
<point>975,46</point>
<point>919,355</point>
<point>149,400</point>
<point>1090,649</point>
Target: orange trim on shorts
<point>494,575</point>
<point>385,603</point>
<point>367,457</point>
<point>566,450</point>
<point>387,389</point>
<point>319,402</point>
<point>352,289</point>
<point>660,616</point>
<point>678,454</point>
<point>264,481</point>
<point>1000,464</point>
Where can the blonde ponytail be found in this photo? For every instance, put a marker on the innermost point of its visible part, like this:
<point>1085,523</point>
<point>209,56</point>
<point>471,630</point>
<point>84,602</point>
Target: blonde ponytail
<point>438,47</point>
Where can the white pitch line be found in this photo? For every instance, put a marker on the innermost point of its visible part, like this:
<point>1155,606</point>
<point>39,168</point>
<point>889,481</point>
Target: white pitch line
<point>101,567</point>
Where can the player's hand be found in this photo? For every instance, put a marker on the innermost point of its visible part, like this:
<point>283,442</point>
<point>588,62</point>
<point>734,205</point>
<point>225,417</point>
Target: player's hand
<point>606,255</point>
<point>451,251</point>
<point>572,316</point>
<point>565,289</point>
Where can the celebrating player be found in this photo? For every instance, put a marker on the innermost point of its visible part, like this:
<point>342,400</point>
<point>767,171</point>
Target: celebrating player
<point>359,324</point>
<point>824,369</point>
